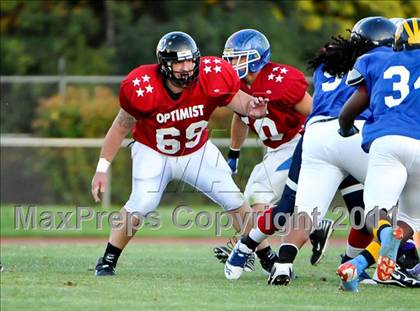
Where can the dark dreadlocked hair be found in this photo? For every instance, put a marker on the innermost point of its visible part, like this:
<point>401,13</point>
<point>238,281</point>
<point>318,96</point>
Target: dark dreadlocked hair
<point>339,55</point>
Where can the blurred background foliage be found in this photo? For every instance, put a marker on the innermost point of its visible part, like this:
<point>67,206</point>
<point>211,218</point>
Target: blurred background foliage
<point>79,116</point>
<point>111,38</point>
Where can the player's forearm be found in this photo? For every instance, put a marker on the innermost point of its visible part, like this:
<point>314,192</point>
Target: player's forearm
<point>247,105</point>
<point>240,103</point>
<point>238,132</point>
<point>119,129</point>
<point>346,120</point>
<point>354,106</point>
<point>112,143</point>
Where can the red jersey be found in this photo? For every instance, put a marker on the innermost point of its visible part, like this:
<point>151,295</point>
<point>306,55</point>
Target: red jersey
<point>176,126</point>
<point>285,86</point>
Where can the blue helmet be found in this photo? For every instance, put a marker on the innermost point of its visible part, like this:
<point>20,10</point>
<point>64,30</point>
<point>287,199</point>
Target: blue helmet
<point>250,48</point>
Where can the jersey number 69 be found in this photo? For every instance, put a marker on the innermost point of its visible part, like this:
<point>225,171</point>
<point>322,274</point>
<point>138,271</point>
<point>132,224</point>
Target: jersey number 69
<point>171,145</point>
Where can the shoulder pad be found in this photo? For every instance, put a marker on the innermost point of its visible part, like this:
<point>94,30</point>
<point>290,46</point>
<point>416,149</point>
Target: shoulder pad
<point>354,77</point>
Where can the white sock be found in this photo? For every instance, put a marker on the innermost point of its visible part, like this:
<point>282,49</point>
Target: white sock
<point>352,251</point>
<point>257,235</point>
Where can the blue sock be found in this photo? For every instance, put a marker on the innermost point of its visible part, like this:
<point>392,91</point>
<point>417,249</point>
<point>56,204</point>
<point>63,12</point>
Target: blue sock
<point>351,286</point>
<point>360,262</point>
<point>385,235</point>
<point>389,245</point>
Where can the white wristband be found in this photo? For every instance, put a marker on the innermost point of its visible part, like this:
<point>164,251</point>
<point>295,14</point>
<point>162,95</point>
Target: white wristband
<point>103,165</point>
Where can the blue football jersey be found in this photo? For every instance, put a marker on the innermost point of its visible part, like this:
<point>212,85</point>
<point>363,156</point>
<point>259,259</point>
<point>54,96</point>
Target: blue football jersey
<point>330,94</point>
<point>393,83</point>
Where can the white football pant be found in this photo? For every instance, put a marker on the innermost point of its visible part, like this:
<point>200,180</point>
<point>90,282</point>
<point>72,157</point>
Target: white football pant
<point>268,178</point>
<point>327,159</point>
<point>394,174</point>
<point>205,169</point>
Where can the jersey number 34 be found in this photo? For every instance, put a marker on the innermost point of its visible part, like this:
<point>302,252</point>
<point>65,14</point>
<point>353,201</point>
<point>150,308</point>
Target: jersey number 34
<point>401,86</point>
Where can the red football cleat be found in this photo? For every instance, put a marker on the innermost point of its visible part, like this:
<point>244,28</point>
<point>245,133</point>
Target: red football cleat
<point>347,272</point>
<point>386,264</point>
<point>385,268</point>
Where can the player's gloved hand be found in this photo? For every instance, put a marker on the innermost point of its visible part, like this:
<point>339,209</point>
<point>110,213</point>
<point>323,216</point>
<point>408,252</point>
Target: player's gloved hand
<point>353,130</point>
<point>233,159</point>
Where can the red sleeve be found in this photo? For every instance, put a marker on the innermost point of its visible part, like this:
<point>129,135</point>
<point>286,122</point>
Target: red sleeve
<point>220,80</point>
<point>293,88</point>
<point>126,96</point>
<point>138,91</point>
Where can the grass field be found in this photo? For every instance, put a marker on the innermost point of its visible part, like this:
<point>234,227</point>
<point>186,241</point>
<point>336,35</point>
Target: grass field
<point>153,276</point>
<point>176,277</point>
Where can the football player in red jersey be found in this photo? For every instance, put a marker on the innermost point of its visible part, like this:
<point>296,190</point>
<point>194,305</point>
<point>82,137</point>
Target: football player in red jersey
<point>248,51</point>
<point>167,106</point>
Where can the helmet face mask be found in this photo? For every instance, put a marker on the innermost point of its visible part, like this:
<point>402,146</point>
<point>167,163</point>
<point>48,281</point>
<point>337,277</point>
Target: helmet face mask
<point>181,78</point>
<point>240,60</point>
<point>176,47</point>
<point>247,50</point>
<point>407,35</point>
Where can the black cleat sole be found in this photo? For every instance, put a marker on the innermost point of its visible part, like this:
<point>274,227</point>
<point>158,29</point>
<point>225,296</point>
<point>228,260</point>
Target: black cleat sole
<point>104,274</point>
<point>280,280</point>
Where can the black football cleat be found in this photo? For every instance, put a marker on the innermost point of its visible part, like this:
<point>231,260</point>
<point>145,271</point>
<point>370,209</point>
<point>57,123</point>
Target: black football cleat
<point>281,274</point>
<point>267,265</point>
<point>222,253</point>
<point>319,240</point>
<point>400,278</point>
<point>104,269</point>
